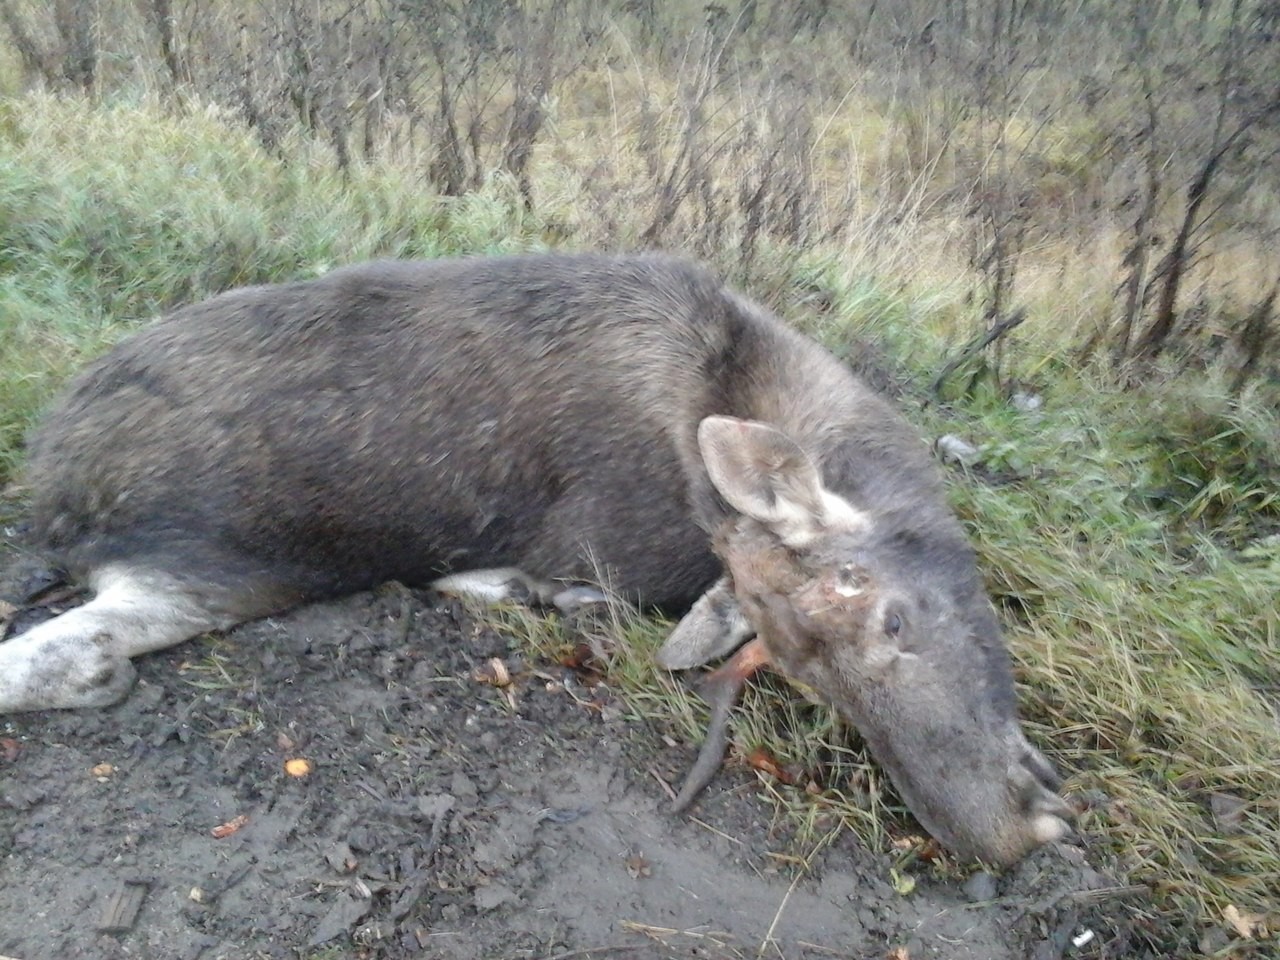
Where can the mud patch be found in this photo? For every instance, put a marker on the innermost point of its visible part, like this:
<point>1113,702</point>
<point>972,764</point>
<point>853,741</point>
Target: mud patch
<point>439,820</point>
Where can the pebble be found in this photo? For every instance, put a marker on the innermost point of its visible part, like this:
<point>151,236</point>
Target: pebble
<point>980,887</point>
<point>952,449</point>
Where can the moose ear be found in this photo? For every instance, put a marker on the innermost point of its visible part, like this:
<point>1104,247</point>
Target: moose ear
<point>764,475</point>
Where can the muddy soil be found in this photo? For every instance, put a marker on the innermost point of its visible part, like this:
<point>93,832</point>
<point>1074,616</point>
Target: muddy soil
<point>443,819</point>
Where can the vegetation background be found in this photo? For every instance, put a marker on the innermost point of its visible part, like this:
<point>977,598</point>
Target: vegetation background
<point>1048,226</point>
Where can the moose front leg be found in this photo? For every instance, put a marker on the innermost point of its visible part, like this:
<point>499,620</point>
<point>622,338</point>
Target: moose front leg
<point>713,627</point>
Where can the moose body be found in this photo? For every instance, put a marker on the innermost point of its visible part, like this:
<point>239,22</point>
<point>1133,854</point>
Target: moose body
<point>560,417</point>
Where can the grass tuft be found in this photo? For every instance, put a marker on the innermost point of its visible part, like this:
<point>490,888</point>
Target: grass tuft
<point>111,216</point>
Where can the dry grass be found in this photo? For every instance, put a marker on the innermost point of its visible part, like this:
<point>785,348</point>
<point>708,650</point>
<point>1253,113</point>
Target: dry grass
<point>1148,644</point>
<point>1147,651</point>
<point>1149,677</point>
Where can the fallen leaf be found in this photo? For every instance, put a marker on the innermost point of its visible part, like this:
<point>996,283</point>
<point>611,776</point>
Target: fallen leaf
<point>1228,811</point>
<point>230,827</point>
<point>898,953</point>
<point>9,749</point>
<point>903,883</point>
<point>583,661</point>
<point>764,761</point>
<point>1246,925</point>
<point>341,858</point>
<point>284,741</point>
<point>298,767</point>
<point>638,867</point>
<point>494,672</point>
<point>925,848</point>
<point>931,851</point>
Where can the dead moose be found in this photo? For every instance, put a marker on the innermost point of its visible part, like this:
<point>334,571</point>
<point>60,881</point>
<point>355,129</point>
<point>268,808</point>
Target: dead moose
<point>473,423</point>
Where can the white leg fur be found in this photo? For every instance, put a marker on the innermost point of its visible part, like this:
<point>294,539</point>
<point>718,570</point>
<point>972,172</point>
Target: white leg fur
<point>497,584</point>
<point>81,658</point>
<point>494,585</point>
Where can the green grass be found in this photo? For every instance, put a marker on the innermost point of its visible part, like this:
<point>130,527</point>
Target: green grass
<point>109,217</point>
<point>1150,652</point>
<point>1132,561</point>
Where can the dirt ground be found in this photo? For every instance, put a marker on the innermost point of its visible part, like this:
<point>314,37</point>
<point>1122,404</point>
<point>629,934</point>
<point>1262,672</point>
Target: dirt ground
<point>441,821</point>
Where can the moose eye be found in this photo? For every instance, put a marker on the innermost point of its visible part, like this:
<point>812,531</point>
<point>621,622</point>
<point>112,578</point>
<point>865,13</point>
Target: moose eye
<point>892,624</point>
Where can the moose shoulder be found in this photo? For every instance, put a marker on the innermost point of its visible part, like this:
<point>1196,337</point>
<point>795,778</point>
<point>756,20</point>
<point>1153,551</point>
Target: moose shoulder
<point>547,419</point>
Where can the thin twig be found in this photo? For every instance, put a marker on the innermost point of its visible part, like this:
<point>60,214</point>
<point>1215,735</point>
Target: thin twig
<point>829,951</point>
<point>777,916</point>
<point>719,833</point>
<point>977,345</point>
<point>719,937</point>
<point>585,951</point>
<point>670,791</point>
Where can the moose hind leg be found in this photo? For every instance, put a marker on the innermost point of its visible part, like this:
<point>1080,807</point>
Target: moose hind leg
<point>499,584</point>
<point>81,658</point>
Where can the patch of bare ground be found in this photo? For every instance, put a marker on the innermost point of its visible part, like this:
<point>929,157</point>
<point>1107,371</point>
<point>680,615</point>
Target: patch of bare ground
<point>442,816</point>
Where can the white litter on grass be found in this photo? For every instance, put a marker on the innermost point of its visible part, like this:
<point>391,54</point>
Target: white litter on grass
<point>952,448</point>
<point>1027,402</point>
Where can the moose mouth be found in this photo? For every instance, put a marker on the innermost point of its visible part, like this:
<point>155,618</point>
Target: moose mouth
<point>1011,817</point>
<point>1040,814</point>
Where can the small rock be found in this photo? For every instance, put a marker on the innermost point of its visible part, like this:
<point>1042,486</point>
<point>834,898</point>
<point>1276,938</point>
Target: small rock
<point>435,805</point>
<point>1026,402</point>
<point>375,931</point>
<point>1091,799</point>
<point>952,449</point>
<point>342,915</point>
<point>146,698</point>
<point>462,787</point>
<point>492,896</point>
<point>980,887</point>
<point>1228,812</point>
<point>22,796</point>
<point>1213,940</point>
<point>163,732</point>
<point>340,857</point>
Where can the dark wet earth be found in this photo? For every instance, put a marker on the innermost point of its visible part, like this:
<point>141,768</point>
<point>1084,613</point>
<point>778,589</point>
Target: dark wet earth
<point>441,816</point>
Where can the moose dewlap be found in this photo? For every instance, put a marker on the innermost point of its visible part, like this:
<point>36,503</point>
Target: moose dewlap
<point>542,418</point>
